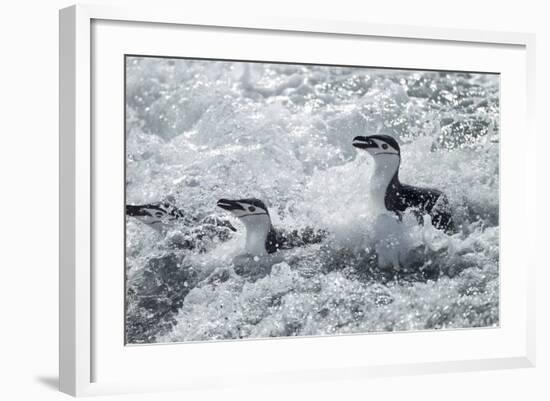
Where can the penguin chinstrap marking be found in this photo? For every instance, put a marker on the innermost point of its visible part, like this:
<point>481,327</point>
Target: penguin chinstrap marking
<point>389,193</point>
<point>261,237</point>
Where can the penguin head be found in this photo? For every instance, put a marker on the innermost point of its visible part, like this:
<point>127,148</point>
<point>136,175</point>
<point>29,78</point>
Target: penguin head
<point>244,208</point>
<point>253,214</point>
<point>378,145</point>
<point>155,214</point>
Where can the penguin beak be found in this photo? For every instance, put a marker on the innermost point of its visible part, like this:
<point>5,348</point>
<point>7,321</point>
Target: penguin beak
<point>364,142</point>
<point>136,211</point>
<point>229,205</point>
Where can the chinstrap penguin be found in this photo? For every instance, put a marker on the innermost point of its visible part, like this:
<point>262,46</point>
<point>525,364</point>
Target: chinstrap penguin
<point>182,230</point>
<point>389,193</point>
<point>156,215</point>
<point>160,214</point>
<point>261,237</point>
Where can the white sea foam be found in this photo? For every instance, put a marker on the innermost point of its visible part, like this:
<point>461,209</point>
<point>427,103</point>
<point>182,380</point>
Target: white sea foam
<point>202,131</point>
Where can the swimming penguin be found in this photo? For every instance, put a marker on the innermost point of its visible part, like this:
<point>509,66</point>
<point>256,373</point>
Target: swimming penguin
<point>156,215</point>
<point>261,237</point>
<point>388,192</point>
<point>160,214</point>
<point>192,232</point>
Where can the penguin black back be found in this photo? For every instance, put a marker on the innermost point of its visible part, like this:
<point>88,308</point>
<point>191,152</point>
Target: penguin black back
<point>400,197</point>
<point>278,239</point>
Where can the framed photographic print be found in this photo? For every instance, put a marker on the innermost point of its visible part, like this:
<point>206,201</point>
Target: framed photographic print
<point>278,200</point>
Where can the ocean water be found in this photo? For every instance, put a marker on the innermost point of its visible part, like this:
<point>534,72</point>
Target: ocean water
<point>205,130</point>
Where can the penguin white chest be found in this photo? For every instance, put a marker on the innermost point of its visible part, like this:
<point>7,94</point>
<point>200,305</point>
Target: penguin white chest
<point>257,229</point>
<point>377,192</point>
<point>386,167</point>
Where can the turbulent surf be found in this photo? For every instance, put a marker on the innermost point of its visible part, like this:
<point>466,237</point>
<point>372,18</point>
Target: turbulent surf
<point>205,130</point>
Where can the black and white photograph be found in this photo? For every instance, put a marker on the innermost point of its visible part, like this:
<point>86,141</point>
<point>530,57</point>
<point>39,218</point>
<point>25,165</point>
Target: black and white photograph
<point>272,200</point>
<point>296,200</point>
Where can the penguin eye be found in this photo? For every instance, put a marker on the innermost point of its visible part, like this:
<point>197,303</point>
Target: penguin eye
<point>158,214</point>
<point>251,208</point>
<point>384,146</point>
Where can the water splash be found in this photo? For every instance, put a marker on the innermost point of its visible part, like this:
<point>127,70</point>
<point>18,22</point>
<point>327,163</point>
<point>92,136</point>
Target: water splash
<point>203,130</point>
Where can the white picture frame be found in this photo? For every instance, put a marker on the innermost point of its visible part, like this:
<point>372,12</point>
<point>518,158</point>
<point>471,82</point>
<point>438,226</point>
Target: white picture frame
<point>80,339</point>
